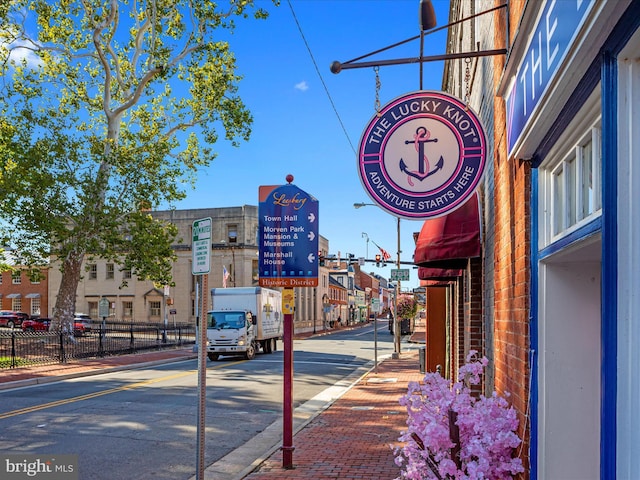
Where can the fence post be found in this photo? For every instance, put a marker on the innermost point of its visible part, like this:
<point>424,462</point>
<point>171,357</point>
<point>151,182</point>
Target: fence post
<point>14,362</point>
<point>62,354</point>
<point>131,341</point>
<point>100,346</point>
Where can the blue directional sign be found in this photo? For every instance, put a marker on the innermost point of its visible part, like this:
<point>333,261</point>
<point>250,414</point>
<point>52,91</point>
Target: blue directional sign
<point>288,231</point>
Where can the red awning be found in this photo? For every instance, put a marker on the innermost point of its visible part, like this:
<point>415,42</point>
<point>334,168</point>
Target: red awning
<point>436,283</point>
<point>447,242</point>
<point>429,273</point>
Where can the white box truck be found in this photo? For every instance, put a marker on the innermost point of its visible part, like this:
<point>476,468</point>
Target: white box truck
<point>243,320</point>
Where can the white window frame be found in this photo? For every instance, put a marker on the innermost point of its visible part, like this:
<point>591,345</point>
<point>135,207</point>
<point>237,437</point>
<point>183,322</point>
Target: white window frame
<point>127,309</point>
<point>110,271</point>
<point>557,198</point>
<point>35,306</point>
<point>16,304</point>
<point>155,308</point>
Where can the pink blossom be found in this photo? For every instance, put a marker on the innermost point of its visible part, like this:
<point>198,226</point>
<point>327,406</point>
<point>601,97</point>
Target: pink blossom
<point>487,429</point>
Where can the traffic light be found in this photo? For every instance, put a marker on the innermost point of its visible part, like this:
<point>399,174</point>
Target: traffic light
<point>320,259</point>
<point>378,260</point>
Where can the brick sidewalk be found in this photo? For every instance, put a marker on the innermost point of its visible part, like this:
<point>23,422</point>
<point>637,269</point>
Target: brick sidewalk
<point>355,437</point>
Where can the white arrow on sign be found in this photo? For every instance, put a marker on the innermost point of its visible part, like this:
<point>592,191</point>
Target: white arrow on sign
<point>311,257</point>
<point>311,217</point>
<point>311,236</point>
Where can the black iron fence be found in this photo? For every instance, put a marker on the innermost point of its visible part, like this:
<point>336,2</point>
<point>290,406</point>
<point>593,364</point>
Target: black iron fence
<point>19,349</point>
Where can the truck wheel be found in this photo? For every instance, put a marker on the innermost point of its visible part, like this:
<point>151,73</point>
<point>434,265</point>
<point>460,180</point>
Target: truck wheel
<point>250,353</point>
<point>275,345</point>
<point>213,356</point>
<point>266,346</point>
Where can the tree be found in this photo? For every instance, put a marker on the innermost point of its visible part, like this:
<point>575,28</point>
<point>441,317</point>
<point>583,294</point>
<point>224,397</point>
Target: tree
<point>107,109</point>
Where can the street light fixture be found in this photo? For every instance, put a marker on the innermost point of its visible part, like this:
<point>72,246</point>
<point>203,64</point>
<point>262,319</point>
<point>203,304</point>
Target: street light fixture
<point>364,235</point>
<point>397,325</point>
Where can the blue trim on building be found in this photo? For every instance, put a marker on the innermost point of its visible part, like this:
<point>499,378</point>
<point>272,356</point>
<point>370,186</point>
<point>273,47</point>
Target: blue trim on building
<point>621,34</point>
<point>533,329</point>
<point>581,233</point>
<point>609,295</point>
<point>603,69</point>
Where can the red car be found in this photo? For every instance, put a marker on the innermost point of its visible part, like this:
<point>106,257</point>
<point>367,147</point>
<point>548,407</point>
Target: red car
<point>80,325</point>
<point>36,325</point>
<point>9,318</point>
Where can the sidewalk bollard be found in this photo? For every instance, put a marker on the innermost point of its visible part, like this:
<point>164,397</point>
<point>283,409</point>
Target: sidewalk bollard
<point>422,351</point>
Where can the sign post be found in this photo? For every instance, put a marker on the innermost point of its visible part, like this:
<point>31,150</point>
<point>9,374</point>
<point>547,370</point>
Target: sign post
<point>288,302</point>
<point>288,230</point>
<point>201,265</point>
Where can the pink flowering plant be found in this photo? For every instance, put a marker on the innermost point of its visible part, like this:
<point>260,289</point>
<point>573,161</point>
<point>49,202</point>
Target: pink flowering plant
<point>453,434</point>
<point>407,306</point>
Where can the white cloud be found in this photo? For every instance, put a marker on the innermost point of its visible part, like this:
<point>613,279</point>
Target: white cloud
<point>302,86</point>
<point>18,50</point>
<point>20,53</point>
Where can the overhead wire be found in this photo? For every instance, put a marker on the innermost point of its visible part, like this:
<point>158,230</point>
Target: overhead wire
<point>326,89</point>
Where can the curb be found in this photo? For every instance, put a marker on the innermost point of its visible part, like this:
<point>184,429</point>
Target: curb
<point>234,466</point>
<point>98,371</point>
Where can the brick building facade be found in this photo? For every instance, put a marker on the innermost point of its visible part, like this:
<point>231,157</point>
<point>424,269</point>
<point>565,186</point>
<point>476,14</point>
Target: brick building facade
<point>559,224</point>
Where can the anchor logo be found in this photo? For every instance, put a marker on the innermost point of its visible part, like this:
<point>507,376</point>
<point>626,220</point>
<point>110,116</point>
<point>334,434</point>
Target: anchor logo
<point>421,137</point>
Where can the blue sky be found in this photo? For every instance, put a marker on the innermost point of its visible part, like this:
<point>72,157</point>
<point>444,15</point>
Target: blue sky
<point>296,128</point>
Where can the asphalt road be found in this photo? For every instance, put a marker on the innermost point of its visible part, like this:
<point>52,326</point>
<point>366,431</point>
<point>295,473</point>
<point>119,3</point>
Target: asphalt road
<point>142,424</point>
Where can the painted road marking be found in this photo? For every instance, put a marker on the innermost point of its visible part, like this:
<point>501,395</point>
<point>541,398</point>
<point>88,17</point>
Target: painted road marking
<point>89,396</point>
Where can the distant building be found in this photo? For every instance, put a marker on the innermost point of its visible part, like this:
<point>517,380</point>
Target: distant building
<point>21,291</point>
<point>234,248</point>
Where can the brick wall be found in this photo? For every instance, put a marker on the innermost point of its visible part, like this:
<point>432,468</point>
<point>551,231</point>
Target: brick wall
<point>512,221</point>
<point>26,289</point>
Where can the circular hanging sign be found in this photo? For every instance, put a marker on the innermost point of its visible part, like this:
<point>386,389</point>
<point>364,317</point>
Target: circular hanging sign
<point>422,155</point>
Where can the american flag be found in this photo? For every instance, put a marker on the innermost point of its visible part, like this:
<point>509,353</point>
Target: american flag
<point>225,276</point>
<point>385,254</point>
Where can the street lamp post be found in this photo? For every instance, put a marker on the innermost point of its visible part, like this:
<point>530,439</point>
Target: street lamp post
<point>364,235</point>
<point>396,323</point>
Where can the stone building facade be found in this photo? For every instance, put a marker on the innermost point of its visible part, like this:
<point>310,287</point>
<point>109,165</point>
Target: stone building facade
<point>234,248</point>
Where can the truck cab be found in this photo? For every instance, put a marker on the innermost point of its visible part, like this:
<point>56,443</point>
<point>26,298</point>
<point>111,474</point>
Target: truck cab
<point>230,332</point>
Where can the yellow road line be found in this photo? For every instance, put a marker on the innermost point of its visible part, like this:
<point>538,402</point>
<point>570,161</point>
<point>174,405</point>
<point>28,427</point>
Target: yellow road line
<point>89,396</point>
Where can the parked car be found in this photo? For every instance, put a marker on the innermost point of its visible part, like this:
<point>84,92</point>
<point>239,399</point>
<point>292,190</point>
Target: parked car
<point>81,324</point>
<point>9,318</point>
<point>36,325</point>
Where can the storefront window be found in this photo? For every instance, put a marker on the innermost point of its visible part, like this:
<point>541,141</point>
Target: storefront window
<point>572,184</point>
<point>571,191</point>
<point>558,196</point>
